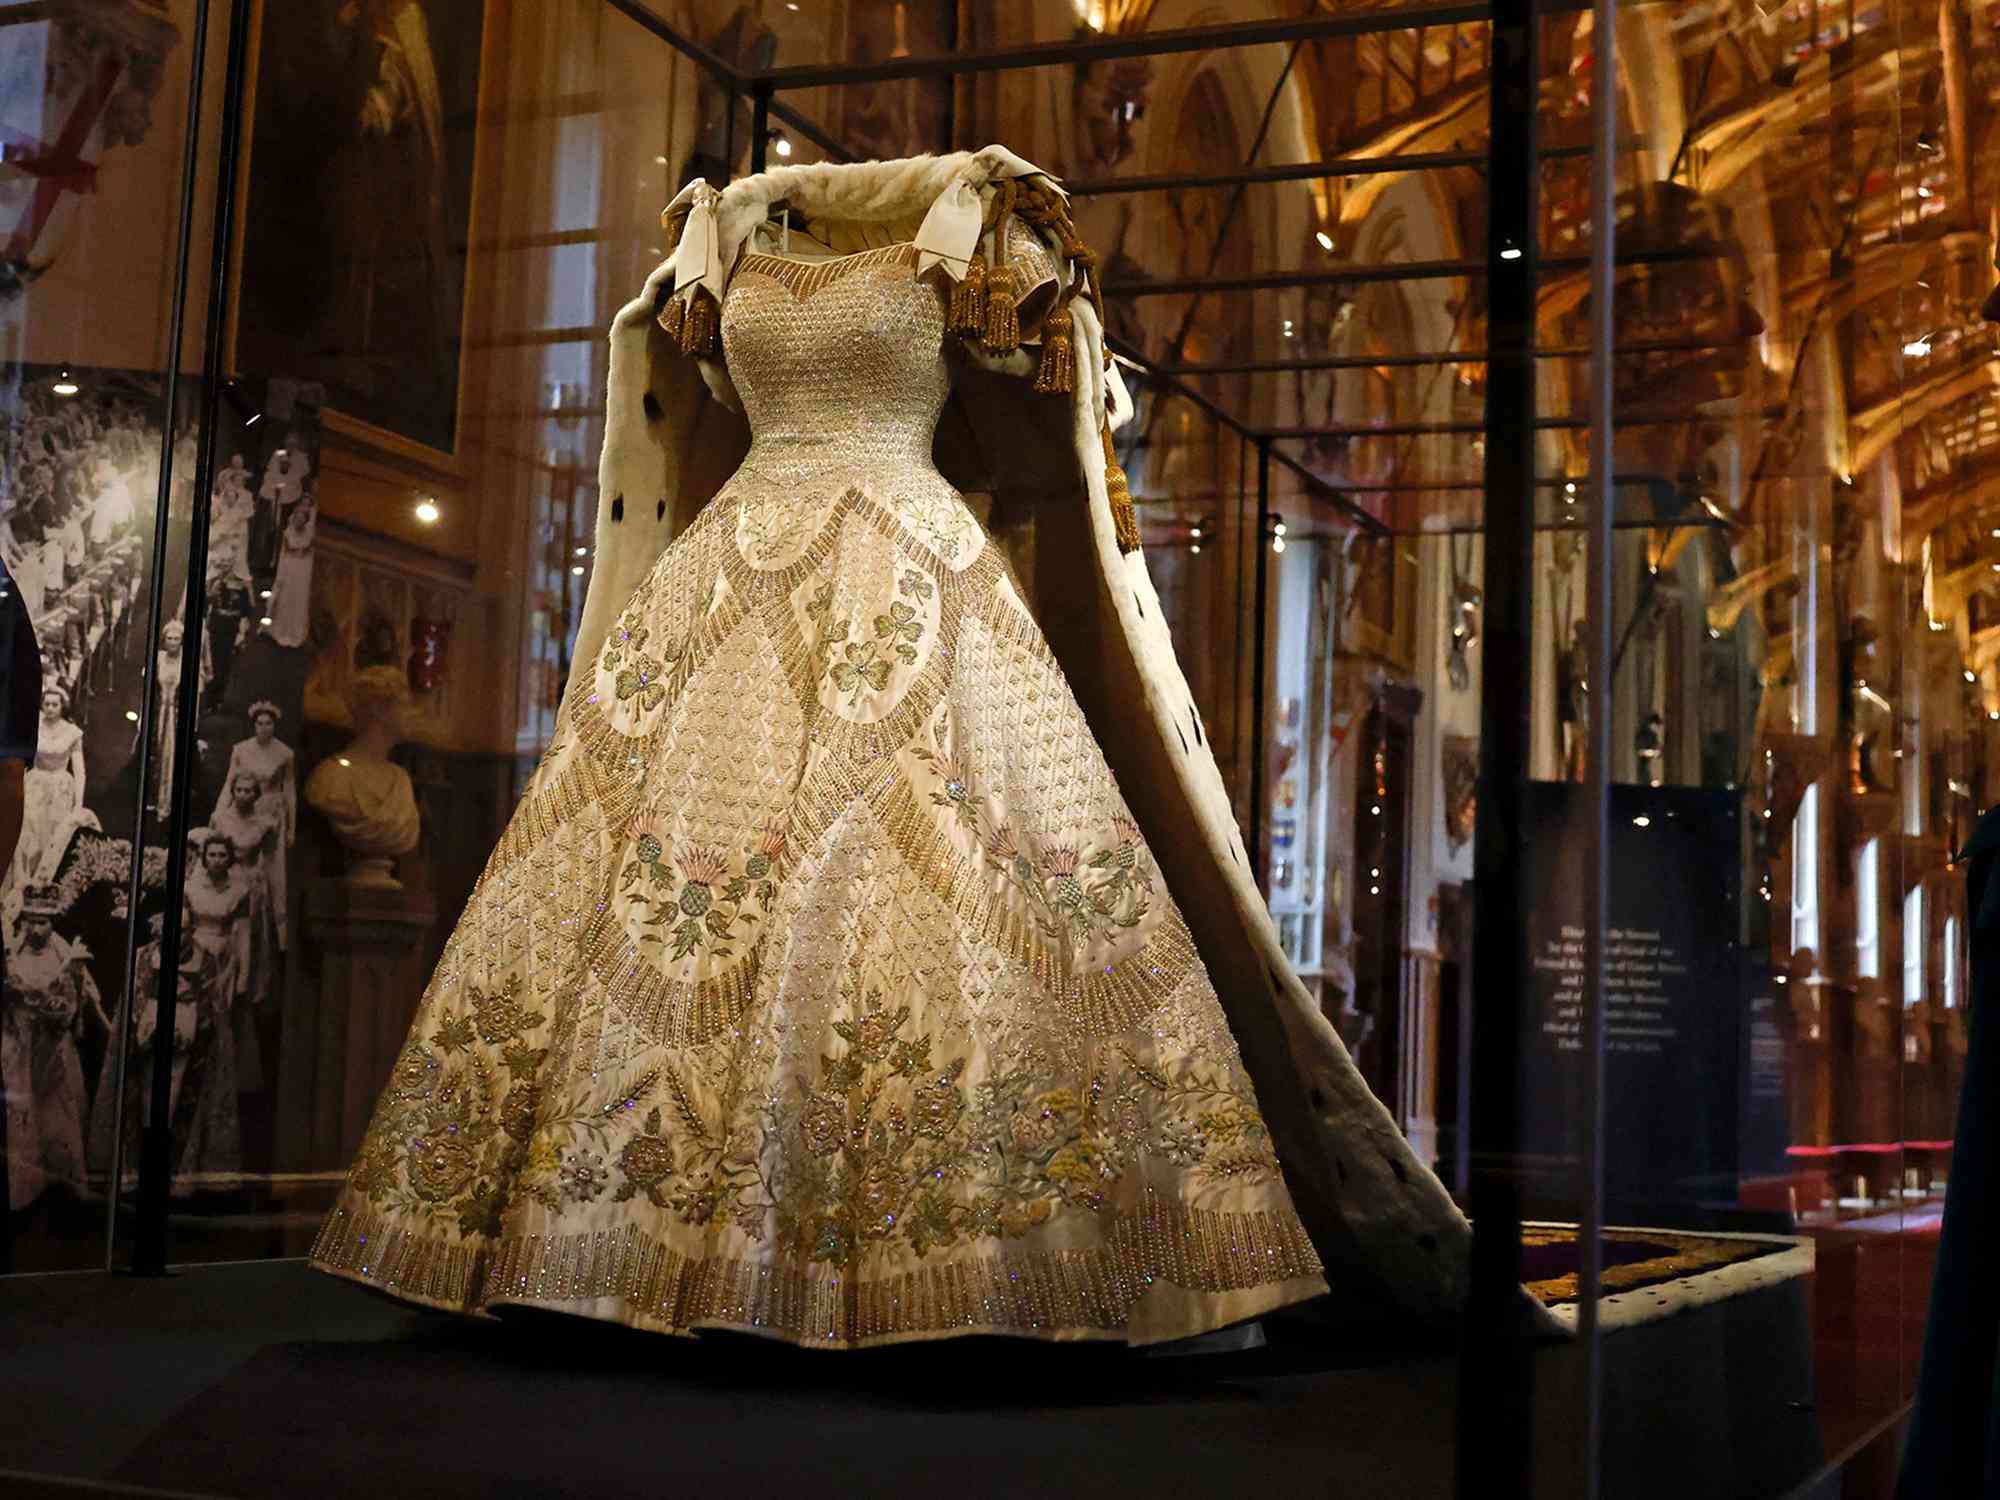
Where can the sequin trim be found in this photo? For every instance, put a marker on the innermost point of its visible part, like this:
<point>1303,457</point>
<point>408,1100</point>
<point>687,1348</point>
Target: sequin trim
<point>1026,1291</point>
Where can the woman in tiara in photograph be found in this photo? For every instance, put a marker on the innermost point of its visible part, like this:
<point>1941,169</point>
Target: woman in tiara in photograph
<point>52,791</point>
<point>221,898</point>
<point>271,761</point>
<point>254,839</point>
<point>290,611</point>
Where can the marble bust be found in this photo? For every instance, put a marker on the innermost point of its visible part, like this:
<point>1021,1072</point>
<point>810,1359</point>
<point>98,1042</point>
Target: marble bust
<point>365,796</point>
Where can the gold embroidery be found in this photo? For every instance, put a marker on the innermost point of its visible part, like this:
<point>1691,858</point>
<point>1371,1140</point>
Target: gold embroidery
<point>805,278</point>
<point>658,1286</point>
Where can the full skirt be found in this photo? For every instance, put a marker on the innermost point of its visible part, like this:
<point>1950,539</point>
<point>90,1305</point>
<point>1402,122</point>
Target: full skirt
<point>822,986</point>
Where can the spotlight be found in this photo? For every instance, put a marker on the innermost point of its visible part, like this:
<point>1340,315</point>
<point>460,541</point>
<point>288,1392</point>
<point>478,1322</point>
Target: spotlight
<point>428,512</point>
<point>782,145</point>
<point>1512,252</point>
<point>578,570</point>
<point>1325,239</point>
<point>1642,821</point>
<point>65,385</point>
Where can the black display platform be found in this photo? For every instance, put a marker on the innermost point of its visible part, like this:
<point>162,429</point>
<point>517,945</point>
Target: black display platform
<point>268,1380</point>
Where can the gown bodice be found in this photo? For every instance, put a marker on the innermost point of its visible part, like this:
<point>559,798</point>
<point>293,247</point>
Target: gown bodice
<point>840,363</point>
<point>54,745</point>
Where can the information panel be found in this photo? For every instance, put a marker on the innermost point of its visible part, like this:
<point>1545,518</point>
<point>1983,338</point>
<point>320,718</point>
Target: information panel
<point>1674,982</point>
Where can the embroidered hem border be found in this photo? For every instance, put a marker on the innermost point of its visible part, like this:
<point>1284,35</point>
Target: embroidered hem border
<point>1028,1291</point>
<point>1689,1255</point>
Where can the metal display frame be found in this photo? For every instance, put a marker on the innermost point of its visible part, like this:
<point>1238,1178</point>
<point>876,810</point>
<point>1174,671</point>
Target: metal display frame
<point>1495,1418</point>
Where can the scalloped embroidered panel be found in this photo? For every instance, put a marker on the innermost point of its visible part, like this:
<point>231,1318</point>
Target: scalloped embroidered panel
<point>822,984</point>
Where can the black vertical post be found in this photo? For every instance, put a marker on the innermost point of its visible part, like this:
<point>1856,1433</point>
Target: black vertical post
<point>156,614</point>
<point>1496,1388</point>
<point>760,124</point>
<point>156,1157</point>
<point>1259,624</point>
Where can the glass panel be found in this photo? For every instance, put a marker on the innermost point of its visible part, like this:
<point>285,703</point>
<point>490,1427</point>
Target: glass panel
<point>1789,696</point>
<point>94,111</point>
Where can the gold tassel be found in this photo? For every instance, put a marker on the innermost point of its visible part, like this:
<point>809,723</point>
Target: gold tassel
<point>698,327</point>
<point>1003,322</point>
<point>671,317</point>
<point>968,300</point>
<point>1124,518</point>
<point>1057,372</point>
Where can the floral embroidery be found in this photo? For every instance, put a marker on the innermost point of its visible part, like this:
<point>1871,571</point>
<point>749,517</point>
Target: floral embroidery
<point>446,1143</point>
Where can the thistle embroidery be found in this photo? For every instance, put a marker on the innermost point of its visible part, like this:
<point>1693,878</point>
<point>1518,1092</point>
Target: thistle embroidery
<point>699,895</point>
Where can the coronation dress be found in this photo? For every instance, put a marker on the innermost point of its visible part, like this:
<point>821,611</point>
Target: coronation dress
<point>823,986</point>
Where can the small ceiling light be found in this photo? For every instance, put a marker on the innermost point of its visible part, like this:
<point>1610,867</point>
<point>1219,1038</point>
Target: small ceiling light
<point>1288,328</point>
<point>265,621</point>
<point>1918,348</point>
<point>578,570</point>
<point>65,385</point>
<point>1195,548</point>
<point>1278,526</point>
<point>583,552</point>
<point>1642,821</point>
<point>1512,252</point>
<point>132,715</point>
<point>1325,239</point>
<point>783,145</point>
<point>428,512</point>
<point>1277,544</point>
<point>345,761</point>
<point>1375,811</point>
<point>1993,713</point>
<point>1922,191</point>
<point>659,161</point>
<point>265,594</point>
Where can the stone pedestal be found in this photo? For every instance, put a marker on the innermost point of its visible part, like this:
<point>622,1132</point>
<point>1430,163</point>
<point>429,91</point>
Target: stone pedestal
<point>362,970</point>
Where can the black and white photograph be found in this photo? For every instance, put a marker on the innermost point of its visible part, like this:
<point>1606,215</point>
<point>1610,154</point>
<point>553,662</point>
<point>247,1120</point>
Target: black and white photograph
<point>82,452</point>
